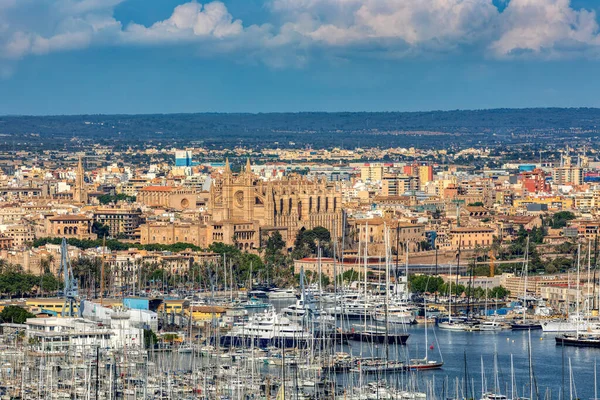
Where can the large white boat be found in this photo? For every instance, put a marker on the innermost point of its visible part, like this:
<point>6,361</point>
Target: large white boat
<point>357,309</point>
<point>565,325</point>
<point>306,313</point>
<point>491,326</point>
<point>453,326</point>
<point>267,329</point>
<point>281,294</point>
<point>396,315</point>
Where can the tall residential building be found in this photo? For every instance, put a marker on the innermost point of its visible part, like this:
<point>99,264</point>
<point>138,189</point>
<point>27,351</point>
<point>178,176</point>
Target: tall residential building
<point>534,181</point>
<point>397,185</point>
<point>371,172</point>
<point>121,221</point>
<point>425,175</point>
<point>567,173</point>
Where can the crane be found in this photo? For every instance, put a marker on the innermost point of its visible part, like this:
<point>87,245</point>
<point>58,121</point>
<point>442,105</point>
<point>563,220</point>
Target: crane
<point>71,292</point>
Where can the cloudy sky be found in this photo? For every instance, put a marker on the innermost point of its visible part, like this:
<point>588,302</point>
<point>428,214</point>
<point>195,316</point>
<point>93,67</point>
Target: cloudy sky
<point>164,56</point>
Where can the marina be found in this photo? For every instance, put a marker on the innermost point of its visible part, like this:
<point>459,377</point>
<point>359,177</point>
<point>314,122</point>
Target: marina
<point>258,373</point>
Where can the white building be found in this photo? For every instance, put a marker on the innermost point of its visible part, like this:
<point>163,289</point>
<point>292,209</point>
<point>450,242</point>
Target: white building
<point>127,318</point>
<point>79,335</point>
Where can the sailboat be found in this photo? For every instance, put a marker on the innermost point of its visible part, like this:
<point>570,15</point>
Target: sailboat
<point>425,363</point>
<point>524,323</point>
<point>453,325</point>
<point>575,322</point>
<point>583,336</point>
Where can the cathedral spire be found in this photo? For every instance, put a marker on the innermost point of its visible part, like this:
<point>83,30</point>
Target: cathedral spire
<point>248,165</point>
<point>227,167</point>
<point>80,194</point>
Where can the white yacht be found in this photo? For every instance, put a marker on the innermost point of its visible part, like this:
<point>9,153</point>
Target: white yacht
<point>453,326</point>
<point>267,329</point>
<point>572,324</point>
<point>490,326</point>
<point>305,312</point>
<point>281,294</point>
<point>396,315</point>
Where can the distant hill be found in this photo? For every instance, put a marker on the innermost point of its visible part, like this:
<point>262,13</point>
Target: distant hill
<point>433,128</point>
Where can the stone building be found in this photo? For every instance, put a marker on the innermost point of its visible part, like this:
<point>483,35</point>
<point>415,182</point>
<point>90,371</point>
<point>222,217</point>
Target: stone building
<point>471,237</point>
<point>70,226</point>
<point>244,203</point>
<point>373,231</point>
<point>174,232</point>
<point>243,209</point>
<point>20,234</point>
<point>168,197</point>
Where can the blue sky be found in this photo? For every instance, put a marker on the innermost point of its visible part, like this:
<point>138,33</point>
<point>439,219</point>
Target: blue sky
<point>165,56</point>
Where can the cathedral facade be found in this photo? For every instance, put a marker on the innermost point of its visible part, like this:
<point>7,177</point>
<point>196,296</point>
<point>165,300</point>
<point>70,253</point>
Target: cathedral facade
<point>244,208</point>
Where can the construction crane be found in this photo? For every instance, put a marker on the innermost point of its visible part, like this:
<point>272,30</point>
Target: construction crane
<point>71,292</point>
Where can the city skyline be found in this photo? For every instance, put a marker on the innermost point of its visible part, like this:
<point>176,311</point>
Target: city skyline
<point>88,57</point>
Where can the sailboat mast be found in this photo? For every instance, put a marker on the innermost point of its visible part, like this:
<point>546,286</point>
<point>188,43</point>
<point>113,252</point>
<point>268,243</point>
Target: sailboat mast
<point>102,271</point>
<point>589,271</point>
<point>426,340</point>
<point>526,271</point>
<point>387,290</point>
<point>577,288</point>
<point>365,279</point>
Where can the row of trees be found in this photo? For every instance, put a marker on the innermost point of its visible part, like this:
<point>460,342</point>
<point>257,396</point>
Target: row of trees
<point>116,245</point>
<point>15,315</point>
<point>433,284</point>
<point>20,284</point>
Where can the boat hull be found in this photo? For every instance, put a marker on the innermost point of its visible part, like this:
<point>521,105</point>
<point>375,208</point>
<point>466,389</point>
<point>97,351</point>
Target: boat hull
<point>390,338</point>
<point>452,327</point>
<point>563,326</point>
<point>525,327</point>
<point>239,341</point>
<point>397,319</point>
<point>424,366</point>
<point>577,342</point>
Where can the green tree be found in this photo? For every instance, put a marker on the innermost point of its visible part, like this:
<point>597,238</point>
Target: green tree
<point>349,276</point>
<point>15,314</point>
<point>46,263</point>
<point>425,245</point>
<point>561,219</point>
<point>307,241</point>
<point>150,338</point>
<point>100,229</point>
<point>537,234</point>
<point>425,283</point>
<point>313,277</point>
<point>274,247</point>
<point>498,292</point>
<point>107,198</point>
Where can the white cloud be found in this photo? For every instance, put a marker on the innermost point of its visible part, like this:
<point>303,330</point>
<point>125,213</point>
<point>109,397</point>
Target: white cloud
<point>190,21</point>
<point>545,26</point>
<point>296,28</point>
<point>339,22</point>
